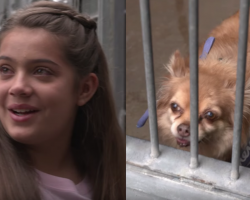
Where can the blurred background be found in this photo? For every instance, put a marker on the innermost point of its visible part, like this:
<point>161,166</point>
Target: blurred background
<point>7,7</point>
<point>169,22</point>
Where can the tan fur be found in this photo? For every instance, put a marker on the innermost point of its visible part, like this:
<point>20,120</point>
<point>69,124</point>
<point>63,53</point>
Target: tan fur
<point>217,81</point>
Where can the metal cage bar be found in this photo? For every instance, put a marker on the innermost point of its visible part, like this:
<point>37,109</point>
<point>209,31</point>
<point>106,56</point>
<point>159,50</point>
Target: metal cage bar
<point>240,85</point>
<point>211,176</point>
<point>193,49</point>
<point>111,34</point>
<point>149,71</point>
<point>119,61</point>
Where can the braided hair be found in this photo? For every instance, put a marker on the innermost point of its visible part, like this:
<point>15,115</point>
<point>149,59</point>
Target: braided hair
<point>97,139</point>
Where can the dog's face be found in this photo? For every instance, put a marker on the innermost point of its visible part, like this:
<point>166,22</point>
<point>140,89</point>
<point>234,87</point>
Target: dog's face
<point>215,113</point>
<point>216,105</point>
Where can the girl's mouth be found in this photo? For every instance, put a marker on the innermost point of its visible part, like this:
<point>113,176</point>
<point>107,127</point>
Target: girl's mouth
<point>22,112</point>
<point>21,115</point>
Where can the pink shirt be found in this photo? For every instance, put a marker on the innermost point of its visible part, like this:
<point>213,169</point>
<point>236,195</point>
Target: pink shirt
<point>57,188</point>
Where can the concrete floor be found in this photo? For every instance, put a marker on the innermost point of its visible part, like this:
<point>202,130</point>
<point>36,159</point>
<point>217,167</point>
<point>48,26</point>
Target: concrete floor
<point>169,21</point>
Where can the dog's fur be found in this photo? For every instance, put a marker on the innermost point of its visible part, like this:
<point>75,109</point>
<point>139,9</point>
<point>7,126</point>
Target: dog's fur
<point>217,83</point>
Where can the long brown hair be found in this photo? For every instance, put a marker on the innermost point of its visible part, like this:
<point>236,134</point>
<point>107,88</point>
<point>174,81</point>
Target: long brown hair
<point>97,139</point>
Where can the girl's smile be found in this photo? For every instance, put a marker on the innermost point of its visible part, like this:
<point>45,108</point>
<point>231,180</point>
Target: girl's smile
<point>22,112</point>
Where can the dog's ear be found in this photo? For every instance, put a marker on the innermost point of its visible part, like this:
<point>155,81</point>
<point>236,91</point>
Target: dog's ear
<point>176,66</point>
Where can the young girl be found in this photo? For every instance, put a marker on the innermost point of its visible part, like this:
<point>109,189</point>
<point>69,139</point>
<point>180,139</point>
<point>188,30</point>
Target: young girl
<point>59,136</point>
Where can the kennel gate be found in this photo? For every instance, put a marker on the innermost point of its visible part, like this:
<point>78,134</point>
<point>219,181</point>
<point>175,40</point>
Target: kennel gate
<point>167,173</point>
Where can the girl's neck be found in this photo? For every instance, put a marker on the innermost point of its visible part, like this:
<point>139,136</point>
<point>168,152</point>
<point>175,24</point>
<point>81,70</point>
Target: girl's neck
<point>56,160</point>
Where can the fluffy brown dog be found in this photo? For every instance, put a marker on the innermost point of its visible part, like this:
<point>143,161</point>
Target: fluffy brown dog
<point>217,81</point>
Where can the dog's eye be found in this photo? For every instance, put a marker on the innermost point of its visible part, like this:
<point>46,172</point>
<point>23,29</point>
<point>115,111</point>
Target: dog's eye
<point>210,115</point>
<point>175,107</point>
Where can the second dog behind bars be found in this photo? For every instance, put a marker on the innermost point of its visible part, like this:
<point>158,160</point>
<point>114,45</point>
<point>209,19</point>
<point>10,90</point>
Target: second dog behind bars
<point>217,86</point>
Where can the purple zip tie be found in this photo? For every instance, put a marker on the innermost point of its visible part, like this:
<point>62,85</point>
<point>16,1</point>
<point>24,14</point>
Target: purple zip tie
<point>207,46</point>
<point>142,120</point>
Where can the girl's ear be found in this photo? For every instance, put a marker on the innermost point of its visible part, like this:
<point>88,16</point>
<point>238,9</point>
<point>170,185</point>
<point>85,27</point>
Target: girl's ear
<point>87,88</point>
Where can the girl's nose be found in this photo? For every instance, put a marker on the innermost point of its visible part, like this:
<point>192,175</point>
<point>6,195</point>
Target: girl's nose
<point>20,86</point>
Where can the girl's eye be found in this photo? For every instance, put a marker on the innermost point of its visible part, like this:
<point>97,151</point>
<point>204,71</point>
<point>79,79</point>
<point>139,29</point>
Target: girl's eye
<point>175,107</point>
<point>210,115</point>
<point>5,70</point>
<point>42,71</point>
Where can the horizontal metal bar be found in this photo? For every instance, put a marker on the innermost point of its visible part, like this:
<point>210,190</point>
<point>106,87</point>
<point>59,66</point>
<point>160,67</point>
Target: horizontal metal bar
<point>193,49</point>
<point>211,178</point>
<point>149,70</point>
<point>240,85</point>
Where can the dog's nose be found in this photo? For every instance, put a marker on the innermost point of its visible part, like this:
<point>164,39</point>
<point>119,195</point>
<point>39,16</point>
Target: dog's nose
<point>183,130</point>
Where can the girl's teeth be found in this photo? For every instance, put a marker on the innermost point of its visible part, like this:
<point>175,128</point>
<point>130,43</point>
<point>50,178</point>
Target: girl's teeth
<point>22,111</point>
<point>19,114</point>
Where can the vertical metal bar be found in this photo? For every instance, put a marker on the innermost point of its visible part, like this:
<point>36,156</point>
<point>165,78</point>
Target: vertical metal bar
<point>240,85</point>
<point>193,49</point>
<point>149,70</point>
<point>100,21</point>
<point>3,11</point>
<point>119,60</point>
<point>111,34</point>
<point>90,7</point>
<point>105,32</point>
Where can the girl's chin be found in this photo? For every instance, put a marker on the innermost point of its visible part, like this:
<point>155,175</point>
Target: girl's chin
<point>24,137</point>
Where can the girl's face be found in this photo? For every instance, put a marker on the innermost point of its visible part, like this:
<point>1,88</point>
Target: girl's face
<point>38,100</point>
